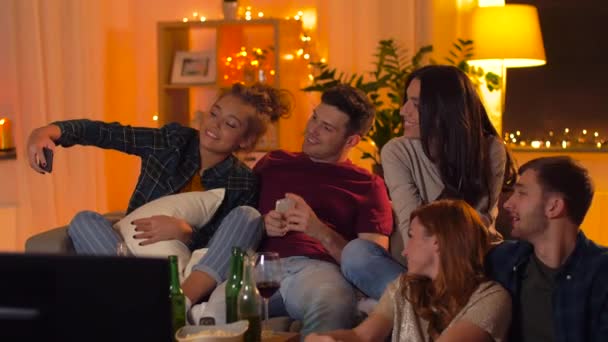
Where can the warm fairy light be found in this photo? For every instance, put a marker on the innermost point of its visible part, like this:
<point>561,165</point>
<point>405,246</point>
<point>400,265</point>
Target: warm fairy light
<point>518,133</point>
<point>547,144</point>
<point>535,144</point>
<point>255,62</point>
<point>596,134</point>
<point>306,56</point>
<point>288,56</point>
<point>300,52</point>
<point>598,144</point>
<point>297,17</point>
<point>243,53</point>
<point>228,59</point>
<point>323,60</point>
<point>564,144</point>
<point>511,135</point>
<point>195,14</point>
<point>567,130</point>
<point>300,13</point>
<point>155,117</point>
<point>272,72</point>
<point>225,77</point>
<point>550,133</point>
<point>203,18</point>
<point>584,132</point>
<point>260,14</point>
<point>259,51</point>
<point>2,121</point>
<point>185,19</point>
<point>311,77</point>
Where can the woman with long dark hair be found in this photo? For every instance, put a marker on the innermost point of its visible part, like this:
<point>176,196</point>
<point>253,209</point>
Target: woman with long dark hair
<point>449,149</point>
<point>445,295</point>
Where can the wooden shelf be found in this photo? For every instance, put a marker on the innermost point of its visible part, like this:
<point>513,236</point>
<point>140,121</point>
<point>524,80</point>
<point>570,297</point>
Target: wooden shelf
<point>8,154</point>
<point>177,102</point>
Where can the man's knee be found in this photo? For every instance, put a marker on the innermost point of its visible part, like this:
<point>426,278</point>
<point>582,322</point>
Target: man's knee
<point>355,255</point>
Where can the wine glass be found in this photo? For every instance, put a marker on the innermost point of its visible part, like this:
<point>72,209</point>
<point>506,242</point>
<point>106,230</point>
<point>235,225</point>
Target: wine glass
<point>122,249</point>
<point>268,274</point>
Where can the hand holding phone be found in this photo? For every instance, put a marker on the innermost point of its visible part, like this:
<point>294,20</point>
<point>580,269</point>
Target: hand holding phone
<point>284,204</point>
<point>48,156</point>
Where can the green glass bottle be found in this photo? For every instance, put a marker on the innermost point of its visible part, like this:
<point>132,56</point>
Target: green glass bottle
<point>233,285</point>
<point>176,296</point>
<point>249,302</point>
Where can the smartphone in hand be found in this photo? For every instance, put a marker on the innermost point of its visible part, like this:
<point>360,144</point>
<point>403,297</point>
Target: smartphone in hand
<point>284,204</point>
<point>48,156</point>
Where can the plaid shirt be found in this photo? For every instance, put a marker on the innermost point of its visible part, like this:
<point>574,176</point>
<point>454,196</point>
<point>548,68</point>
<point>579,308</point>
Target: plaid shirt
<point>170,158</point>
<point>580,298</point>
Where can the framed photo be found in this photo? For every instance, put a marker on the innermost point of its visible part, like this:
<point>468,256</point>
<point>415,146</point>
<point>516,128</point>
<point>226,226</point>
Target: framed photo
<point>194,67</point>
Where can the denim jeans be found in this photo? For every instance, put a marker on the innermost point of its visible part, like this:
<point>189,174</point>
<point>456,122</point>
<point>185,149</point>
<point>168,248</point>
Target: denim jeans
<point>369,267</point>
<point>312,291</point>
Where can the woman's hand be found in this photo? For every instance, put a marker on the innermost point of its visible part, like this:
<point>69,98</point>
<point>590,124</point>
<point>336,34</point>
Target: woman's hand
<point>40,138</point>
<point>161,228</point>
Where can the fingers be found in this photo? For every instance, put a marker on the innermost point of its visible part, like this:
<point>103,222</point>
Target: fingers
<point>142,222</point>
<point>297,199</point>
<point>274,224</point>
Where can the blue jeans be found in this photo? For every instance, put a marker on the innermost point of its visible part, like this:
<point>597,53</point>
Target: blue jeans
<point>369,267</point>
<point>312,291</point>
<point>316,293</point>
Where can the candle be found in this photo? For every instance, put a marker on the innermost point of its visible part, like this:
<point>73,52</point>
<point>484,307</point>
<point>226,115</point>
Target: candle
<point>6,137</point>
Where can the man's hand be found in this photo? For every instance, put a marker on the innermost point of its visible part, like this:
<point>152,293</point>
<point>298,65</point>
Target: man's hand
<point>301,218</point>
<point>161,228</point>
<point>275,224</point>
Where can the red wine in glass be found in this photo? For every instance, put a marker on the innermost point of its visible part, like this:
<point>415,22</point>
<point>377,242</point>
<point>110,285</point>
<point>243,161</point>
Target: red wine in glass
<point>267,288</point>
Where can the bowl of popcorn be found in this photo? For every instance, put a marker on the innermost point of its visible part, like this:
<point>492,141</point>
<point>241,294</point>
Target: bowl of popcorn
<point>232,332</point>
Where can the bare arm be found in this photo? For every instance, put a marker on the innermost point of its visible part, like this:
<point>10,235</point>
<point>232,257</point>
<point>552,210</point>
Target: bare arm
<point>465,331</point>
<point>374,328</point>
<point>303,219</point>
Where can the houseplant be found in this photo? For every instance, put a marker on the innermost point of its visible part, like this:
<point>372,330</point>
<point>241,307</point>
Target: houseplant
<point>386,83</point>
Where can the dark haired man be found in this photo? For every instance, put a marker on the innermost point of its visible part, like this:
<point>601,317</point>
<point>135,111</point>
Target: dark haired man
<point>332,202</point>
<point>558,279</point>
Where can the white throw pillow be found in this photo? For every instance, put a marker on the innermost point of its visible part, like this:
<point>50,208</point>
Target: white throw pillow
<point>196,208</point>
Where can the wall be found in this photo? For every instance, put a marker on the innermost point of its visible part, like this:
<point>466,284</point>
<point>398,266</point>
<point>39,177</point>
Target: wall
<point>596,220</point>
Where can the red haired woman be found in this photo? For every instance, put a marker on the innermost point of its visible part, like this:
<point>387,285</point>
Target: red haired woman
<point>445,295</point>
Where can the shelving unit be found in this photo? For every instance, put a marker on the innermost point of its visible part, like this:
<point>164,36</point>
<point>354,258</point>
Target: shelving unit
<point>178,102</point>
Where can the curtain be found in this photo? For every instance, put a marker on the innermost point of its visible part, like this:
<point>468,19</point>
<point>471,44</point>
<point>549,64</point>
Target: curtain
<point>56,54</point>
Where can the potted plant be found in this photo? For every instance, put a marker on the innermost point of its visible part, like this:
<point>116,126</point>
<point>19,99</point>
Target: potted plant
<point>385,85</point>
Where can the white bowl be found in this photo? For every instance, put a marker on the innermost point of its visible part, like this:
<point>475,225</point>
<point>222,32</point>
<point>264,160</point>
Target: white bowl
<point>232,332</point>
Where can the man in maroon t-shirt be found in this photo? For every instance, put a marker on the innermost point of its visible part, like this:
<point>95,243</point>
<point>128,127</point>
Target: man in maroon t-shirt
<point>331,203</point>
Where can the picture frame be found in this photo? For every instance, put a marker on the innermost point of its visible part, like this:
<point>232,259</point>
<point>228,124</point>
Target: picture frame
<point>194,67</point>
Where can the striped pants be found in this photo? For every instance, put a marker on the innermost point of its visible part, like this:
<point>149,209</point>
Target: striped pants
<point>92,234</point>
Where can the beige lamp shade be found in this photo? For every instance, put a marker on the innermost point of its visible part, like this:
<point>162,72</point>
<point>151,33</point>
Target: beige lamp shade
<point>509,34</point>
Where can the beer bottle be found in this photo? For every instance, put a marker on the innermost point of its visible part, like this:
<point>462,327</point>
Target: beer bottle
<point>176,296</point>
<point>233,285</point>
<point>249,302</point>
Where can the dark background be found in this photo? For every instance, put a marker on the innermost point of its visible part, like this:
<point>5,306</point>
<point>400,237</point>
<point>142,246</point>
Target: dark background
<point>571,90</point>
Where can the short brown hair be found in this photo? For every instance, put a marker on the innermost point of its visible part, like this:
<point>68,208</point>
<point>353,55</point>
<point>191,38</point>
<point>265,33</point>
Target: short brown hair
<point>354,103</point>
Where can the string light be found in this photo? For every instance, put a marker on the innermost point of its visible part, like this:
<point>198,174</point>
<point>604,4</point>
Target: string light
<point>568,140</point>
